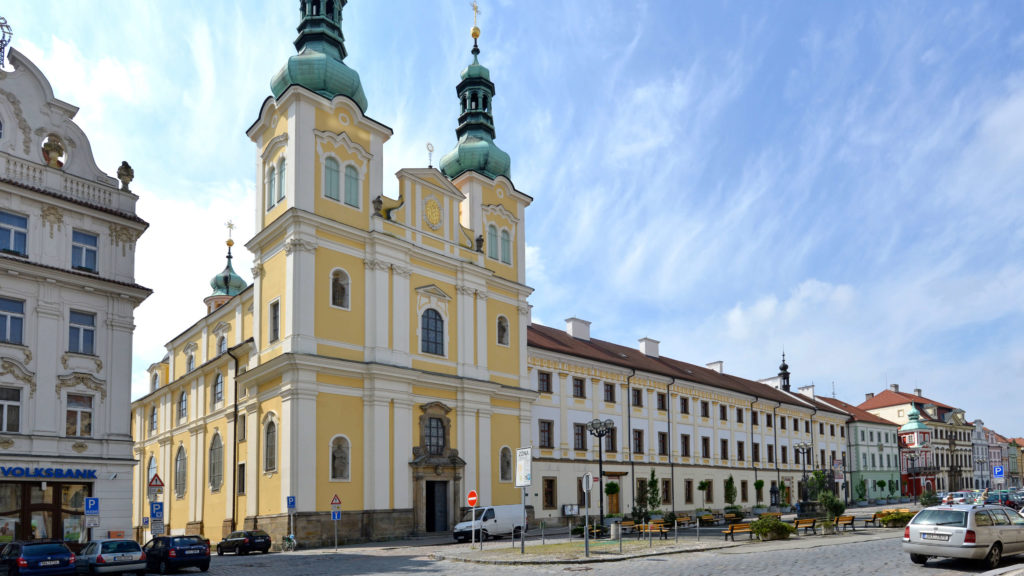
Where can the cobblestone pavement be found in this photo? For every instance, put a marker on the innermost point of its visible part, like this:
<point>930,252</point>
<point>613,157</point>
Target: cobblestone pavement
<point>861,555</point>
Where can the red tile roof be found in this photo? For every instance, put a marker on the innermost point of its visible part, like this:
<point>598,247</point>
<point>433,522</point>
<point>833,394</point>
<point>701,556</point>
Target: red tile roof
<point>887,398</point>
<point>547,338</point>
<point>858,414</point>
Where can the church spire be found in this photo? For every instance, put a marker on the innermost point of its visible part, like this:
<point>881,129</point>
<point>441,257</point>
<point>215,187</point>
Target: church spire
<point>318,64</point>
<point>227,284</point>
<point>784,374</point>
<point>476,150</point>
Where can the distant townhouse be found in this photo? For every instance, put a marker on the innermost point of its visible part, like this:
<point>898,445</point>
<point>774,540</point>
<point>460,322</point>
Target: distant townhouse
<point>874,452</point>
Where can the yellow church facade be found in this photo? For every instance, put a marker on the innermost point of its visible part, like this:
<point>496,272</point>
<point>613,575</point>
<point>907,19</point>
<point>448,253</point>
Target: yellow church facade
<point>379,354</point>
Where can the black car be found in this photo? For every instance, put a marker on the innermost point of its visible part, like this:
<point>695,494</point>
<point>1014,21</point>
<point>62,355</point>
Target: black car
<point>245,541</point>
<point>168,553</point>
<point>37,558</point>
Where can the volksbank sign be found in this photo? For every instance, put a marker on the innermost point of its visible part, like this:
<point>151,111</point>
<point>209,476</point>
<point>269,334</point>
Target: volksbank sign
<point>67,473</point>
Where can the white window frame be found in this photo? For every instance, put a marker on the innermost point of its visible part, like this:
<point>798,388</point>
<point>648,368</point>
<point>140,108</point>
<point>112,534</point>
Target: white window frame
<point>348,289</point>
<point>332,193</point>
<point>269,467</point>
<point>91,411</point>
<point>154,420</point>
<point>190,362</point>
<point>6,407</point>
<point>444,339</point>
<point>180,480</point>
<point>282,177</point>
<point>222,345</point>
<point>274,321</point>
<point>8,319</point>
<point>14,231</point>
<point>82,329</point>
<point>81,250</point>
<point>270,182</point>
<point>508,331</point>
<point>358,189</point>
<point>330,459</point>
<point>506,245</point>
<point>182,406</point>
<point>217,390</point>
<point>215,487</point>
<point>493,248</point>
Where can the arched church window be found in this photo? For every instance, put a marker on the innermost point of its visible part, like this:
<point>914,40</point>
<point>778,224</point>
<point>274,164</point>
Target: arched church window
<point>435,436</point>
<point>502,330</point>
<point>339,289</point>
<point>332,187</point>
<point>432,333</point>
<point>180,472</point>
<point>492,242</point>
<point>218,389</point>
<point>340,457</point>
<point>505,464</point>
<point>506,247</point>
<point>216,462</point>
<point>183,406</point>
<point>280,180</point>
<point>463,103</point>
<point>155,382</point>
<point>351,186</point>
<point>222,344</point>
<point>271,181</point>
<point>152,420</point>
<point>270,447</point>
<point>486,102</point>
<point>151,469</point>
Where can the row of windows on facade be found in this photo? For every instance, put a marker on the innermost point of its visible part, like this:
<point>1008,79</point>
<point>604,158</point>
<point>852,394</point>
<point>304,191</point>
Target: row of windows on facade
<point>496,251</point>
<point>579,390</point>
<point>14,240</point>
<point>77,414</point>
<point>549,491</point>
<point>276,180</point>
<point>81,327</point>
<point>580,435</point>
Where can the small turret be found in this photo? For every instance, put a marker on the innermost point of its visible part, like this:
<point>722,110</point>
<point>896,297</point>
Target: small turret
<point>784,374</point>
<point>226,285</point>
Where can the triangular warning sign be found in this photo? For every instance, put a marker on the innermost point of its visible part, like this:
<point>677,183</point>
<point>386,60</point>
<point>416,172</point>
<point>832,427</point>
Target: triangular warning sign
<point>156,482</point>
<point>335,502</point>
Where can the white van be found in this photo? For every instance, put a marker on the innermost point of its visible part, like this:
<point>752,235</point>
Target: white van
<point>490,521</point>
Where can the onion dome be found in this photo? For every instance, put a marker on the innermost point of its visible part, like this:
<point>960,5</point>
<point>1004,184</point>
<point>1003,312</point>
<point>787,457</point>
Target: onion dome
<point>913,422</point>
<point>476,150</point>
<point>318,66</point>
<point>225,285</point>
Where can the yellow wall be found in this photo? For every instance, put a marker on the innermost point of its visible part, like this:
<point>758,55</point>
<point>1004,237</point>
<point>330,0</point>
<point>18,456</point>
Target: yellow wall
<point>270,483</point>
<point>214,502</point>
<point>273,288</point>
<point>334,323</point>
<point>504,432</point>
<point>336,414</point>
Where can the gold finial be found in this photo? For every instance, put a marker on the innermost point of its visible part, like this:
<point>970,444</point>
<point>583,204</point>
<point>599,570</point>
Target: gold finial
<point>476,12</point>
<point>230,226</point>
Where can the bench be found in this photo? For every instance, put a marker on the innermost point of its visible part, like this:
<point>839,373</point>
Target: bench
<point>806,524</point>
<point>732,518</point>
<point>845,521</point>
<point>627,526</point>
<point>873,520</point>
<point>737,528</point>
<point>651,529</point>
<point>684,521</point>
<point>707,520</point>
<point>776,514</point>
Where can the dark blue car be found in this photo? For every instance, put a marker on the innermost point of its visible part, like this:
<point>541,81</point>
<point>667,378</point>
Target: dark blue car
<point>169,553</point>
<point>37,558</point>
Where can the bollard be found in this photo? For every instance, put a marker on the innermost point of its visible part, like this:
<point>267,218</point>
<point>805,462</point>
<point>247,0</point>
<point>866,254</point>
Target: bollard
<point>542,540</point>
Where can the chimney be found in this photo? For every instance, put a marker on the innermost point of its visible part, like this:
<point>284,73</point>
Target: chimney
<point>869,396</point>
<point>577,328</point>
<point>917,391</point>
<point>807,391</point>
<point>894,387</point>
<point>649,347</point>
<point>717,366</point>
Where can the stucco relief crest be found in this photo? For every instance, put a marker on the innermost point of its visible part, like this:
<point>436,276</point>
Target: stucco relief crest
<point>53,217</point>
<point>298,245</point>
<point>465,290</point>
<point>66,357</point>
<point>79,446</point>
<point>26,130</point>
<point>500,211</point>
<point>403,271</point>
<point>373,264</point>
<point>84,380</point>
<point>6,443</point>
<point>257,270</point>
<point>19,373</point>
<point>124,237</point>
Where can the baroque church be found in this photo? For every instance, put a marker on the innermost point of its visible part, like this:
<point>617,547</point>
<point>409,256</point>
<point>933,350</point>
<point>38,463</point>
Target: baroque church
<point>377,360</point>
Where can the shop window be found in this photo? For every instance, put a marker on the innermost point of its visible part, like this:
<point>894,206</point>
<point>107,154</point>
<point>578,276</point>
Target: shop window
<point>79,415</point>
<point>341,450</point>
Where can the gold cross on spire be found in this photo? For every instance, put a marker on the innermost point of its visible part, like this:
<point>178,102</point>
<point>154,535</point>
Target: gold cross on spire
<point>230,226</point>
<point>476,11</point>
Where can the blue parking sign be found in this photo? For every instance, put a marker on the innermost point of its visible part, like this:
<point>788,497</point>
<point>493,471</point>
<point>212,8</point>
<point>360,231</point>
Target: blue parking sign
<point>156,510</point>
<point>997,471</point>
<point>92,506</point>
<point>291,502</point>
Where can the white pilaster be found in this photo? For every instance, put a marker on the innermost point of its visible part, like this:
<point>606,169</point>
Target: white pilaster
<point>299,304</point>
<point>377,432</point>
<point>402,426</point>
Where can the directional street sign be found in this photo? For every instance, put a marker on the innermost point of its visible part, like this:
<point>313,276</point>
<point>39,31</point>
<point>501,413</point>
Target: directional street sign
<point>997,471</point>
<point>335,515</point>
<point>157,527</point>
<point>588,482</point>
<point>92,506</point>
<point>471,498</point>
<point>291,502</point>
<point>92,521</point>
<point>156,512</point>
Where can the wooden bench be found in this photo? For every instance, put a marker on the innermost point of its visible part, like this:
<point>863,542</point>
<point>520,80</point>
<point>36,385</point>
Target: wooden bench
<point>707,520</point>
<point>845,521</point>
<point>732,518</point>
<point>776,514</point>
<point>684,521</point>
<point>904,510</point>
<point>806,524</point>
<point>873,520</point>
<point>737,528</point>
<point>627,526</point>
<point>651,529</point>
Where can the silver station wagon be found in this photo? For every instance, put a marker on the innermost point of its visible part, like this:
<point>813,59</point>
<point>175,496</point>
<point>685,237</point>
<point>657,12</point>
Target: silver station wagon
<point>973,531</point>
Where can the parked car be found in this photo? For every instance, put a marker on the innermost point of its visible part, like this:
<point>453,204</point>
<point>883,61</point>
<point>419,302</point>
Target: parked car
<point>37,558</point>
<point>973,531</point>
<point>490,522</point>
<point>960,497</point>
<point>168,553</point>
<point>111,557</point>
<point>244,541</point>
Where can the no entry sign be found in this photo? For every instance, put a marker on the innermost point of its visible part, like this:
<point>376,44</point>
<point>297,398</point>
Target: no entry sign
<point>471,498</point>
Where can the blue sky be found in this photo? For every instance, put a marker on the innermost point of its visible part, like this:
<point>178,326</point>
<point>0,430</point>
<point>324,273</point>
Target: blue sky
<point>839,179</point>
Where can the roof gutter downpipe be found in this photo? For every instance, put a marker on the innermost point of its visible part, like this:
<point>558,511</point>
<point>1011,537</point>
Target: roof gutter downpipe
<point>671,462</point>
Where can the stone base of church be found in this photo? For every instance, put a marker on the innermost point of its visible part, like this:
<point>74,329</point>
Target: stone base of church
<point>316,529</point>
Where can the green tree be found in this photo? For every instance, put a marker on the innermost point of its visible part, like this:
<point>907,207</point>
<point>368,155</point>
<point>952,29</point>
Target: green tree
<point>892,487</point>
<point>758,491</point>
<point>653,493</point>
<point>703,486</point>
<point>862,488</point>
<point>833,506</point>
<point>730,491</point>
<point>611,488</point>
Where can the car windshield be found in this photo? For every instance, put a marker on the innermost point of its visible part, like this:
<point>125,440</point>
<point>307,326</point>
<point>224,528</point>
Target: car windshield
<point>120,546</point>
<point>469,514</point>
<point>941,518</point>
<point>41,549</point>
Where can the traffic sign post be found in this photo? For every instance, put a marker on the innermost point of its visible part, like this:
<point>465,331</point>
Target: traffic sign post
<point>336,516</point>
<point>471,500</point>
<point>156,486</point>
<point>92,514</point>
<point>997,471</point>
<point>588,483</point>
<point>524,478</point>
<point>291,516</point>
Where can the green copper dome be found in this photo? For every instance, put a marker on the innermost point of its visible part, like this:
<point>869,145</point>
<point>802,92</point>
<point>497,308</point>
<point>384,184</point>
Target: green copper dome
<point>476,150</point>
<point>914,422</point>
<point>319,65</point>
<point>227,283</point>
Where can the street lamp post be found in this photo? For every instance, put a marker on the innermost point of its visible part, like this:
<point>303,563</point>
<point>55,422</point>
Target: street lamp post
<point>599,429</point>
<point>803,449</point>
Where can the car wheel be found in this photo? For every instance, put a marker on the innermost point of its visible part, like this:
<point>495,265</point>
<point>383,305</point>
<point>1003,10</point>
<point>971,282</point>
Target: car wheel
<point>243,551</point>
<point>140,573</point>
<point>164,568</point>
<point>205,566</point>
<point>220,551</point>
<point>918,558</point>
<point>994,557</point>
<point>484,536</point>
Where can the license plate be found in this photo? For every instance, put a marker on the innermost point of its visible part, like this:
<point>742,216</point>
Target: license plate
<point>191,551</point>
<point>942,537</point>
<point>123,558</point>
<point>49,563</point>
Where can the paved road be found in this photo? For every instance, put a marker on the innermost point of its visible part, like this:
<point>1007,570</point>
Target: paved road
<point>857,558</point>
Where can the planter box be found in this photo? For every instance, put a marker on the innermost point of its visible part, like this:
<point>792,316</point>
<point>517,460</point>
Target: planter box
<point>757,511</point>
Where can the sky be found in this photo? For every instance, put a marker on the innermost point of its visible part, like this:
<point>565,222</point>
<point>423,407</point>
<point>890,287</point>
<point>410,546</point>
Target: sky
<point>841,181</point>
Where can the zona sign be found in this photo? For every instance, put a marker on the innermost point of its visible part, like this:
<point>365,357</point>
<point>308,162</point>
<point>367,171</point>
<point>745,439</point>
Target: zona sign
<point>471,498</point>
